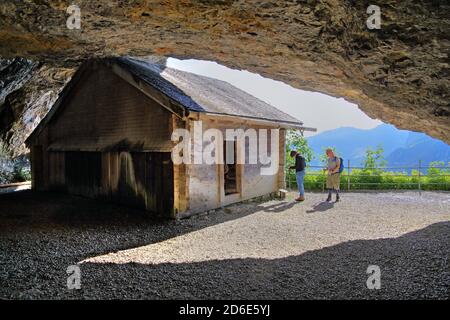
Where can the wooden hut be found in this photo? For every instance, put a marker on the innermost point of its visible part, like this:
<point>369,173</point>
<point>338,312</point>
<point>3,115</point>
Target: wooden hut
<point>109,133</point>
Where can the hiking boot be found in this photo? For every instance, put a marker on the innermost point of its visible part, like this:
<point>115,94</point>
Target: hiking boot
<point>329,198</point>
<point>300,198</point>
<point>337,198</point>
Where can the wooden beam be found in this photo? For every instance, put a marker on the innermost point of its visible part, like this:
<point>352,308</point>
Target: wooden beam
<point>248,121</point>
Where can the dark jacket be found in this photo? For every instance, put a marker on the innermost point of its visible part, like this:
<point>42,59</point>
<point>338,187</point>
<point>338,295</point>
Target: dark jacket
<point>300,163</point>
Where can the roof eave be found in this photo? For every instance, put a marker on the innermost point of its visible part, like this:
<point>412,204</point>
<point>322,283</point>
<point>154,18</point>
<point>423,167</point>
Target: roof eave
<point>297,125</point>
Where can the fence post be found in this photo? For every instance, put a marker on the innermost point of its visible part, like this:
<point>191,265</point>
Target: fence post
<point>445,172</point>
<point>420,187</point>
<point>348,175</point>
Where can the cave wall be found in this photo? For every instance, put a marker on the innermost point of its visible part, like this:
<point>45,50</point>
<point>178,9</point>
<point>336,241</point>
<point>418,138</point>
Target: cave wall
<point>399,73</point>
<point>26,99</point>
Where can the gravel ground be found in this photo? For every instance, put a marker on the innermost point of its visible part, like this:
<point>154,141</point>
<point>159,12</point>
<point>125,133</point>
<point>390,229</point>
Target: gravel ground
<point>271,250</point>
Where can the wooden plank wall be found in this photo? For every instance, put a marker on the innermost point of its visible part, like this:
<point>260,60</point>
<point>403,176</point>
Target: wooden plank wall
<point>83,173</point>
<point>138,179</point>
<point>109,140</point>
<point>40,162</point>
<point>37,167</point>
<point>143,180</point>
<point>105,113</point>
<point>56,170</point>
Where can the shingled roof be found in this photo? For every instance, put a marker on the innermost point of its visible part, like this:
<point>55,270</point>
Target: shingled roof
<point>203,94</point>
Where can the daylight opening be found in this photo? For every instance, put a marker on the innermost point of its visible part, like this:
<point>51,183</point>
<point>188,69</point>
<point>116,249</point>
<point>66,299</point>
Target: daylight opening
<point>375,155</point>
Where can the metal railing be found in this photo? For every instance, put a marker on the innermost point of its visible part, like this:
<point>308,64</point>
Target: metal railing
<point>419,177</point>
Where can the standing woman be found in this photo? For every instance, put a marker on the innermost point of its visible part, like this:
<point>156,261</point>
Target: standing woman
<point>300,171</point>
<point>333,178</point>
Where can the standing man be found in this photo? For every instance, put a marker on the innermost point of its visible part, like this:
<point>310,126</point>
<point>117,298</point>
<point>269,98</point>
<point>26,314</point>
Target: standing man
<point>300,170</point>
<point>333,178</point>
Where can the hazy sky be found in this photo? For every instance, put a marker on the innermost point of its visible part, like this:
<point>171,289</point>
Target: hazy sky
<point>314,109</point>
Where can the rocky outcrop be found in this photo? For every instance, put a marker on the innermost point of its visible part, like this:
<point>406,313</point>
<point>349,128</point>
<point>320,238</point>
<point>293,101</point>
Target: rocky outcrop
<point>28,91</point>
<point>399,73</point>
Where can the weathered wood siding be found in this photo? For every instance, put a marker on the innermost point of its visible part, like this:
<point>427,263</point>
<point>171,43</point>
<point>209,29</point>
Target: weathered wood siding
<point>139,179</point>
<point>57,170</point>
<point>40,162</point>
<point>106,113</point>
<point>108,141</point>
<point>37,167</point>
<point>83,173</point>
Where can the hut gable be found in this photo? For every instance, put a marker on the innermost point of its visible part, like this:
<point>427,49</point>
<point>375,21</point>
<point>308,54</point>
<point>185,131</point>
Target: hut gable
<point>105,113</point>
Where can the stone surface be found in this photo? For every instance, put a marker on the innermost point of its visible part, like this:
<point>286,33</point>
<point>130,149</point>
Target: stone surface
<point>26,98</point>
<point>400,73</point>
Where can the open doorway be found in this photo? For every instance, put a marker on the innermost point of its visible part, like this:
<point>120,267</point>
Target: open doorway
<point>230,170</point>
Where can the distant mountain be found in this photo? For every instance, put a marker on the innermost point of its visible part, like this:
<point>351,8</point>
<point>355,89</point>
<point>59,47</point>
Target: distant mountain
<point>401,147</point>
<point>419,146</point>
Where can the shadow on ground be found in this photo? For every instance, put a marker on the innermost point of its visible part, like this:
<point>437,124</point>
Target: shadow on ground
<point>42,234</point>
<point>411,267</point>
<point>321,207</point>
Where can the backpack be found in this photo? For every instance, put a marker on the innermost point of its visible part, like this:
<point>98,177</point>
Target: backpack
<point>341,167</point>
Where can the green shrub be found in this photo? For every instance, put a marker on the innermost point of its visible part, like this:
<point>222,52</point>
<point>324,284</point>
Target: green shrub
<point>361,179</point>
<point>13,169</point>
<point>21,174</point>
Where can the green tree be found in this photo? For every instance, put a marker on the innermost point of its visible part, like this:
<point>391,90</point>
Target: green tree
<point>374,158</point>
<point>295,141</point>
<point>437,168</point>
